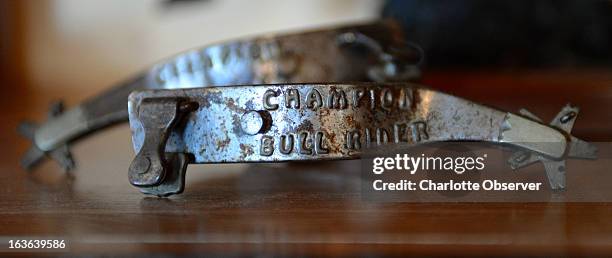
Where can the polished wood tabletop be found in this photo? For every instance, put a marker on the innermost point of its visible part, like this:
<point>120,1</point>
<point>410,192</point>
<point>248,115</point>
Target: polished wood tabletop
<point>299,209</point>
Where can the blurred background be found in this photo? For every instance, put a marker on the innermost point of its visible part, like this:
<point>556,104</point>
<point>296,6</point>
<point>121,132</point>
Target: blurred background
<point>82,46</point>
<point>508,54</point>
<point>54,46</point>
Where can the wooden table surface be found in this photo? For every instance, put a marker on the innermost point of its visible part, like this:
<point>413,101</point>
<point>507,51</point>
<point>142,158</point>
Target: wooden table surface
<point>300,209</point>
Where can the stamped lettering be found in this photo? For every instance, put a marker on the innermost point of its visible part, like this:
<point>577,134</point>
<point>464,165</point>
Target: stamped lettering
<point>286,144</point>
<point>385,98</point>
<point>406,98</point>
<point>336,99</point>
<point>357,96</point>
<point>414,132</point>
<point>292,98</point>
<point>304,143</point>
<point>267,100</point>
<point>267,146</point>
<point>314,99</point>
<point>353,140</point>
<point>320,144</point>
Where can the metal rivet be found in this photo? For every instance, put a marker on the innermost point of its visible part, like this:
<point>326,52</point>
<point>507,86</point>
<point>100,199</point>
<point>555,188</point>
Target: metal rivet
<point>142,165</point>
<point>567,117</point>
<point>252,122</point>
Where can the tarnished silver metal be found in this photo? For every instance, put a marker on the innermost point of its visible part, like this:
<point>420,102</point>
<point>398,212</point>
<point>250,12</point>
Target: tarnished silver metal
<point>373,52</point>
<point>150,162</point>
<point>286,122</point>
<point>555,168</point>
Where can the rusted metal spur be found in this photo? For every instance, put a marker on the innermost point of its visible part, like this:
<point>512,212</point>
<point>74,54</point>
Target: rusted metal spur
<point>270,118</point>
<point>371,52</point>
<point>333,121</point>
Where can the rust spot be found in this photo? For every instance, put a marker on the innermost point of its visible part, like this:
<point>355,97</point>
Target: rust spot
<point>305,126</point>
<point>205,103</point>
<point>324,112</point>
<point>245,151</point>
<point>236,129</point>
<point>214,97</point>
<point>332,144</point>
<point>222,144</point>
<point>250,105</point>
<point>231,105</point>
<point>350,121</point>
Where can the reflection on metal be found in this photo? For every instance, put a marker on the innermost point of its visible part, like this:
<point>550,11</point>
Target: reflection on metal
<point>373,52</point>
<point>286,122</point>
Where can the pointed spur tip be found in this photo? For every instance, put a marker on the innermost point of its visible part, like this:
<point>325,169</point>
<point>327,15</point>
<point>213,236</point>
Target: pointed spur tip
<point>513,166</point>
<point>63,157</point>
<point>582,149</point>
<point>569,105</point>
<point>32,158</point>
<point>27,129</point>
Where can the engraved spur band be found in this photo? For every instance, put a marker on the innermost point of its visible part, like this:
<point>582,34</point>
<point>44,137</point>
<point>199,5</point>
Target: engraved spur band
<point>333,121</point>
<point>371,52</point>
